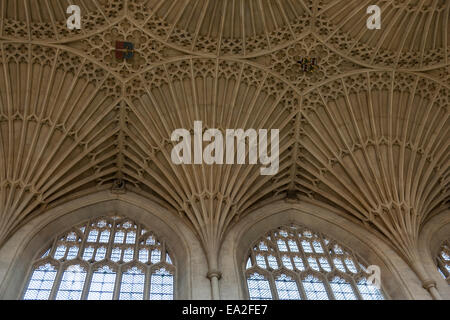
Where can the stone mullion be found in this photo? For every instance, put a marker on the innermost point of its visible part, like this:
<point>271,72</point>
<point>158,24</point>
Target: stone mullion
<point>147,274</point>
<point>352,283</point>
<point>117,283</point>
<point>326,252</point>
<point>136,243</point>
<point>273,287</point>
<point>110,246</point>
<point>328,289</point>
<point>299,281</point>
<point>87,282</point>
<point>163,251</point>
<point>57,281</point>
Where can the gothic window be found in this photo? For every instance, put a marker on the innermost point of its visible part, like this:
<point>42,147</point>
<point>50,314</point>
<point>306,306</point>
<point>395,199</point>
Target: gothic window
<point>103,259</point>
<point>443,260</point>
<point>294,263</point>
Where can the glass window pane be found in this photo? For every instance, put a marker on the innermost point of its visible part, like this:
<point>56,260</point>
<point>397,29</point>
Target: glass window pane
<point>143,255</point>
<point>93,234</point>
<point>272,262</point>
<point>287,262</point>
<point>161,285</point>
<point>72,282</point>
<point>342,290</point>
<point>299,263</point>
<point>116,254</point>
<point>369,291</point>
<point>102,284</point>
<point>156,256</point>
<point>41,283</point>
<point>132,285</point>
<point>314,289</point>
<point>88,252</point>
<point>287,288</point>
<point>258,287</point>
<point>72,254</point>
<point>100,254</point>
<point>60,252</point>
<point>260,261</point>
<point>131,237</point>
<point>128,255</point>
<point>119,237</point>
<point>104,236</point>
<point>282,245</point>
<point>293,246</point>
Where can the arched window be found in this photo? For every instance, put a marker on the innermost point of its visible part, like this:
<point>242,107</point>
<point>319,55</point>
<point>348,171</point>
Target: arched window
<point>103,259</point>
<point>443,260</point>
<point>293,263</point>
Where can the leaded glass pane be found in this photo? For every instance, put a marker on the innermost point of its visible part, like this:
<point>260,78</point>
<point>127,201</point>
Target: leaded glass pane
<point>287,262</point>
<point>306,246</point>
<point>168,259</point>
<point>317,247</point>
<point>104,236</point>
<point>128,255</point>
<point>131,237</point>
<point>313,263</point>
<point>262,246</point>
<point>287,288</point>
<point>143,255</point>
<point>161,286</point>
<point>249,263</point>
<point>100,254</point>
<point>88,252</point>
<point>116,254</point>
<point>314,289</point>
<point>60,252</point>
<point>369,291</point>
<point>156,256</point>
<point>93,234</point>
<point>132,285</point>
<point>41,283</point>
<point>350,265</point>
<point>293,246</point>
<point>324,264</point>
<point>119,237</point>
<point>299,263</point>
<point>282,245</point>
<point>72,253</point>
<point>272,262</point>
<point>339,265</point>
<point>261,262</point>
<point>102,284</point>
<point>342,290</point>
<point>72,282</point>
<point>258,287</point>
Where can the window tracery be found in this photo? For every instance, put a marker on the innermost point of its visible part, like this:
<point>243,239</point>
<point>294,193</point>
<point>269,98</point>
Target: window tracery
<point>292,262</point>
<point>443,260</point>
<point>103,259</point>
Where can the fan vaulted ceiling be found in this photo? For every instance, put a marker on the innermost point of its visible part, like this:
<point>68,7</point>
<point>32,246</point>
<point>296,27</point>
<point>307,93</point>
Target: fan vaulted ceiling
<point>367,133</point>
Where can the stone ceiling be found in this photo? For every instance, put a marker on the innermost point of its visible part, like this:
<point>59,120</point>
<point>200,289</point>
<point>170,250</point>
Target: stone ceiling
<point>367,133</point>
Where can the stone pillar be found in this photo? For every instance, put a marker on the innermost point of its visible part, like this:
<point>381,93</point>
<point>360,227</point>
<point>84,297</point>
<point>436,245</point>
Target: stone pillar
<point>214,276</point>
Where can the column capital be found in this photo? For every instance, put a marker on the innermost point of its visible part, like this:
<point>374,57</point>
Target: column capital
<point>427,284</point>
<point>214,274</point>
